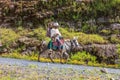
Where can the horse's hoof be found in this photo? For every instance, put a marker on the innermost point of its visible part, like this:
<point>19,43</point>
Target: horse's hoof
<point>53,62</point>
<point>61,62</point>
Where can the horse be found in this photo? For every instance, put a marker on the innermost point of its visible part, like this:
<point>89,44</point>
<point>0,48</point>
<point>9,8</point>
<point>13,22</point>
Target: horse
<point>68,47</point>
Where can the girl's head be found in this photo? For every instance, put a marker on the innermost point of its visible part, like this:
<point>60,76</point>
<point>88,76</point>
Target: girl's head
<point>50,25</point>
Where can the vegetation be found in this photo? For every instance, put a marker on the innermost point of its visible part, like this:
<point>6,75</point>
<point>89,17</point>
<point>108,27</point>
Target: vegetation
<point>118,51</point>
<point>7,36</point>
<point>83,38</point>
<point>12,36</point>
<point>30,18</point>
<point>29,14</point>
<point>82,56</point>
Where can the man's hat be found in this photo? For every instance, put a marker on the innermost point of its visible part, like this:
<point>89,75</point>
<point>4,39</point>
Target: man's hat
<point>56,24</point>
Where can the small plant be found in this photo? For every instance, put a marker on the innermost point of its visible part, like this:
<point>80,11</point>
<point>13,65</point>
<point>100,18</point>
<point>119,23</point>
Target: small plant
<point>114,39</point>
<point>105,32</point>
<point>83,56</point>
<point>118,51</point>
<point>91,38</point>
<point>7,36</point>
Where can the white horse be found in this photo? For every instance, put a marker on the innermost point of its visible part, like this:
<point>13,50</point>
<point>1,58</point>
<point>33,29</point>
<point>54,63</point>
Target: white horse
<point>68,47</point>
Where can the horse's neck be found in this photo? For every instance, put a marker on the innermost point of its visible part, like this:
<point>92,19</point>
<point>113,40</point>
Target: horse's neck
<point>67,45</point>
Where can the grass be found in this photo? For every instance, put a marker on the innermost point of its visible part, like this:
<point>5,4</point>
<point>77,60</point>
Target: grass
<point>83,38</point>
<point>7,36</point>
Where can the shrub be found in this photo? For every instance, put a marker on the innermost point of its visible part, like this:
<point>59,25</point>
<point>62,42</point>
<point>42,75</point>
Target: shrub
<point>83,56</point>
<point>40,34</point>
<point>66,34</point>
<point>118,51</point>
<point>115,32</point>
<point>82,37</point>
<point>87,28</point>
<point>114,39</point>
<point>105,32</point>
<point>91,38</point>
<point>7,36</point>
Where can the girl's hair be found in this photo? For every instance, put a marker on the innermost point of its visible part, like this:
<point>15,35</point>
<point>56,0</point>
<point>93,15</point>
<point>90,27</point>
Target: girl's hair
<point>50,25</point>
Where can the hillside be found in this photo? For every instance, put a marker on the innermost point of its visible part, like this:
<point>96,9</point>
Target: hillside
<point>96,23</point>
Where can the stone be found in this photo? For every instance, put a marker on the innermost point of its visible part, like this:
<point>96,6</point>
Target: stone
<point>104,70</point>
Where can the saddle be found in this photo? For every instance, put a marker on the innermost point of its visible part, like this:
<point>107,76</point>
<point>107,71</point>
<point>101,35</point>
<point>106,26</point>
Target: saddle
<point>56,45</point>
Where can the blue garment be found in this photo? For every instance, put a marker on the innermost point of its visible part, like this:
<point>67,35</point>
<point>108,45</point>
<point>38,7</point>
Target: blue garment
<point>50,44</point>
<point>54,47</point>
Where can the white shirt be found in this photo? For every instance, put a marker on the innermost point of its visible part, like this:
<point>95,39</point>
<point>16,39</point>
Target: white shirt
<point>54,32</point>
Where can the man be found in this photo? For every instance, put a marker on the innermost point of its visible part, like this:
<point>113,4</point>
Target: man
<point>56,36</point>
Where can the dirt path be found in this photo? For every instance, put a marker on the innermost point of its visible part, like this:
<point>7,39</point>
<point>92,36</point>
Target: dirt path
<point>16,69</point>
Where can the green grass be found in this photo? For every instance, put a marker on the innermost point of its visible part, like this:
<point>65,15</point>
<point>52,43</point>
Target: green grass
<point>83,38</point>
<point>82,56</point>
<point>8,36</point>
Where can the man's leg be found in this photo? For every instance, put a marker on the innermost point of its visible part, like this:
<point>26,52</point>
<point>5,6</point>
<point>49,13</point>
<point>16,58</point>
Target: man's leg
<point>59,45</point>
<point>50,45</point>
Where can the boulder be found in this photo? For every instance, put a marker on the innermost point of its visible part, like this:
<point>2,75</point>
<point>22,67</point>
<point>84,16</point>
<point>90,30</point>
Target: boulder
<point>104,52</point>
<point>30,45</point>
<point>115,26</point>
<point>29,41</point>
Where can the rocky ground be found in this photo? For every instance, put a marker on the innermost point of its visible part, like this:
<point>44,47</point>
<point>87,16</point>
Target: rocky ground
<point>14,69</point>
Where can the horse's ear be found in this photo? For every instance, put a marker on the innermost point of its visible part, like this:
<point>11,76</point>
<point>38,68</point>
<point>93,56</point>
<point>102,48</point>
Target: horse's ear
<point>75,37</point>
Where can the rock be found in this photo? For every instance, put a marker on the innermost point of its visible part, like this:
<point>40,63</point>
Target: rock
<point>112,79</point>
<point>115,26</point>
<point>104,70</point>
<point>29,41</point>
<point>30,45</point>
<point>103,52</point>
<point>102,20</point>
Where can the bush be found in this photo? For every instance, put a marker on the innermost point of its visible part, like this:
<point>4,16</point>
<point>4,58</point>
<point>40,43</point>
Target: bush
<point>83,56</point>
<point>91,38</point>
<point>114,39</point>
<point>118,51</point>
<point>105,32</point>
<point>7,36</point>
<point>40,34</point>
<point>89,29</point>
<point>115,32</point>
<point>82,37</point>
<point>66,34</point>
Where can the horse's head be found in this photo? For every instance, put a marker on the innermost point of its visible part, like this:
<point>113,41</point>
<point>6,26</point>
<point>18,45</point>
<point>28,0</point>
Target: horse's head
<point>75,44</point>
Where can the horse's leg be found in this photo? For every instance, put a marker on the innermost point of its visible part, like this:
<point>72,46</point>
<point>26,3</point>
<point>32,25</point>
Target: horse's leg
<point>61,58</point>
<point>66,56</point>
<point>50,56</point>
<point>40,52</point>
<point>39,56</point>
